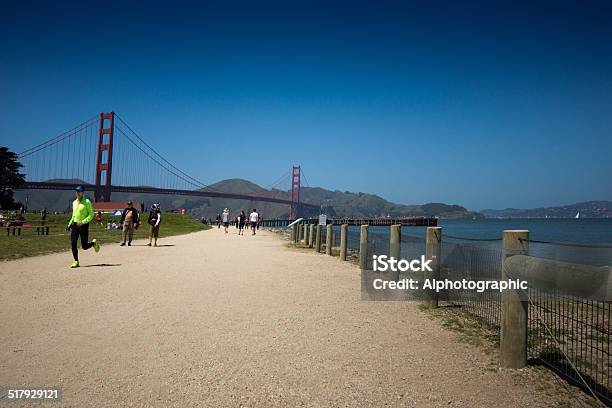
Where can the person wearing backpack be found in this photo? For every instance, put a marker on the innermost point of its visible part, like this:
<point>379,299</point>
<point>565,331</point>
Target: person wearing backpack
<point>154,221</point>
<point>241,221</point>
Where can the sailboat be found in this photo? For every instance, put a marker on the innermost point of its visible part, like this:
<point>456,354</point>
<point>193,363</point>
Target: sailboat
<point>577,215</point>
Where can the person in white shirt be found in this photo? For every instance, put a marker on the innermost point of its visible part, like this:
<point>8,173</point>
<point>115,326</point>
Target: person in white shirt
<point>254,218</point>
<point>225,217</point>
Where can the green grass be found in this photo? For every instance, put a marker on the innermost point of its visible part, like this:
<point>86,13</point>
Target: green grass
<point>470,330</point>
<point>58,240</point>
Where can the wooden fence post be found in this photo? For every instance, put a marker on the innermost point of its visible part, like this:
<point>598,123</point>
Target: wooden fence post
<point>328,239</point>
<point>363,247</point>
<point>433,251</point>
<point>318,239</point>
<point>395,241</point>
<point>514,307</point>
<point>343,241</point>
<point>311,236</point>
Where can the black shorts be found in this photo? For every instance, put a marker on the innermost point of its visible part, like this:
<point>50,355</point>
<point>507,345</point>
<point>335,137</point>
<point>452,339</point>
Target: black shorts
<point>226,224</point>
<point>253,224</point>
<point>241,225</point>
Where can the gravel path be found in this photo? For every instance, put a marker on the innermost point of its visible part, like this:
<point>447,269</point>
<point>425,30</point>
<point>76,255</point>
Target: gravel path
<point>215,320</point>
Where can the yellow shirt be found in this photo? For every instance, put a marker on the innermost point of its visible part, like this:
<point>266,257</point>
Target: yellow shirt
<point>82,211</point>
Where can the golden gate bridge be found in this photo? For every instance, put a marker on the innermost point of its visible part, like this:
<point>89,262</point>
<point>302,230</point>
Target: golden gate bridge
<point>105,155</point>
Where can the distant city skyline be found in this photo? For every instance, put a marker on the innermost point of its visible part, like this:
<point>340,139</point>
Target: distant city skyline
<point>474,103</point>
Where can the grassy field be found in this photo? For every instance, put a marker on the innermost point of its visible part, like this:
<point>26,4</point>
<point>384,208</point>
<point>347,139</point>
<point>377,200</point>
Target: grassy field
<point>29,244</point>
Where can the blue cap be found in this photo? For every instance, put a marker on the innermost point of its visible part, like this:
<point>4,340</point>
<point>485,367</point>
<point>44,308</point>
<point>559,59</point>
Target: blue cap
<point>79,189</point>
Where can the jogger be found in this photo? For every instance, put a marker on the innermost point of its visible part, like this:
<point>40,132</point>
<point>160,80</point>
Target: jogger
<point>82,214</point>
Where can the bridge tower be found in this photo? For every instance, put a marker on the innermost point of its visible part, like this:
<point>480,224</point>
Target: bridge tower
<point>295,192</point>
<point>104,158</point>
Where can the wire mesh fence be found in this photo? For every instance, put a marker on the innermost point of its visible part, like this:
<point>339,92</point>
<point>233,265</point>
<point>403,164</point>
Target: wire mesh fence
<point>568,334</point>
<point>473,260</point>
<point>571,334</point>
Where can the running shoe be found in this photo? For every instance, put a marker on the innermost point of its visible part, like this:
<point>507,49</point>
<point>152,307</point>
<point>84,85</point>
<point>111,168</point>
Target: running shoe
<point>74,264</point>
<point>96,245</point>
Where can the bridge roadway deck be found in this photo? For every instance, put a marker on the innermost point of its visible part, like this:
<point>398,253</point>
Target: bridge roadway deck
<point>209,319</point>
<point>39,185</point>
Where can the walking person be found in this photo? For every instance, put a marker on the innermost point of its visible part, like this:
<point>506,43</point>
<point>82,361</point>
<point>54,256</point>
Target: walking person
<point>218,221</point>
<point>129,218</point>
<point>43,216</point>
<point>154,220</point>
<point>254,218</point>
<point>241,222</point>
<point>82,214</point>
<point>225,218</point>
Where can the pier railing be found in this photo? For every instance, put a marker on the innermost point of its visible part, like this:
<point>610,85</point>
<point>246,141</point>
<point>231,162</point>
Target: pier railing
<point>404,221</point>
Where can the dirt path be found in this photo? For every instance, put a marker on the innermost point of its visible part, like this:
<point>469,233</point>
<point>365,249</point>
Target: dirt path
<point>215,320</point>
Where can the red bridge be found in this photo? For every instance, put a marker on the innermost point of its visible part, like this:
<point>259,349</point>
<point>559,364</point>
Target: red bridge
<point>105,155</point>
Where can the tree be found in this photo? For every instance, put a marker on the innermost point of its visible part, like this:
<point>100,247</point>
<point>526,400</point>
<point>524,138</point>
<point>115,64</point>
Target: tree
<point>10,177</point>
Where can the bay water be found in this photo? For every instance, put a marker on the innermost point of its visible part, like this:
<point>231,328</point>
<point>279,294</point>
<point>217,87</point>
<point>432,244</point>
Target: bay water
<point>583,240</point>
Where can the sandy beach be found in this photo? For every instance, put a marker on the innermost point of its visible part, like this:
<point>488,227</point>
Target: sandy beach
<point>209,319</point>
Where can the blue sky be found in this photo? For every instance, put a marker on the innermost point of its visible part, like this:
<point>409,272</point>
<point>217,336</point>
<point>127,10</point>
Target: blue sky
<point>479,104</point>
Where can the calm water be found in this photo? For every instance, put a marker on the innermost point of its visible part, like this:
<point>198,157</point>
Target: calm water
<point>565,230</point>
<point>582,231</point>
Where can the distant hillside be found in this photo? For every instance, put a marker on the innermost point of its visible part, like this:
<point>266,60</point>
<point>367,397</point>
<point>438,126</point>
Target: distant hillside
<point>347,204</point>
<point>589,209</point>
<point>336,203</point>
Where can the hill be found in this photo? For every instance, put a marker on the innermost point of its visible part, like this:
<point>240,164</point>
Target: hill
<point>348,204</point>
<point>336,203</point>
<point>589,209</point>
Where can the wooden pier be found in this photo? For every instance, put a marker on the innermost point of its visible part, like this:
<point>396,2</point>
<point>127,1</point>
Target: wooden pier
<point>403,221</point>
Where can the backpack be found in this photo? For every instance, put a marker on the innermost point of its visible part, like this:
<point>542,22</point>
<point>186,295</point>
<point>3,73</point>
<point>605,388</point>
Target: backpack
<point>153,216</point>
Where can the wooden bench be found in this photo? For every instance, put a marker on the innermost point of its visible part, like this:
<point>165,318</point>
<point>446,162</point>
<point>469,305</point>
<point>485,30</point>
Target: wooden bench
<point>15,230</point>
<point>42,230</point>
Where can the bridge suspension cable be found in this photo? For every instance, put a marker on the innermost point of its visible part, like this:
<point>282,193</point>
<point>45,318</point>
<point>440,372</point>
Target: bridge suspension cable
<point>305,180</point>
<point>194,181</point>
<point>105,154</point>
<point>280,180</point>
<point>61,137</point>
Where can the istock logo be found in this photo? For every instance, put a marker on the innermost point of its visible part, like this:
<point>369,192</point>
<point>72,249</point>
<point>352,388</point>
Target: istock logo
<point>383,263</point>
